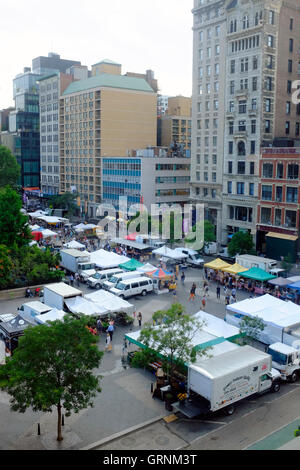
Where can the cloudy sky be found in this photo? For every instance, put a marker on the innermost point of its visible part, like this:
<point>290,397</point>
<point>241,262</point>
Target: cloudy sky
<point>139,34</point>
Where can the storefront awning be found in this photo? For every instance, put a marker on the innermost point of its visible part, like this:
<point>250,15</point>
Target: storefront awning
<point>282,236</point>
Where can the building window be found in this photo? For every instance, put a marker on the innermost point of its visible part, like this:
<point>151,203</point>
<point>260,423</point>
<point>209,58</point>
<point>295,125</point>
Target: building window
<point>293,171</point>
<point>265,215</point>
<point>252,168</point>
<point>270,41</point>
<point>241,147</point>
<point>267,170</point>
<point>290,219</point>
<point>230,168</point>
<point>271,17</point>
<point>240,188</point>
<point>287,127</point>
<point>291,45</point>
<point>241,168</point>
<point>252,147</point>
<point>279,171</point>
<point>251,189</point>
<point>292,195</point>
<point>277,221</point>
<point>229,187</point>
<point>266,193</point>
<point>290,66</point>
<point>267,126</point>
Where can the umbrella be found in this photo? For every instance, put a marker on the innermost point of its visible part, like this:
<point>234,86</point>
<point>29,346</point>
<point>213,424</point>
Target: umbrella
<point>160,274</point>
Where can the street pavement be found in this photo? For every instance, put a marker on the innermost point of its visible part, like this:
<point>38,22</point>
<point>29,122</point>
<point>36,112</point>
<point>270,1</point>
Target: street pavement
<point>125,409</point>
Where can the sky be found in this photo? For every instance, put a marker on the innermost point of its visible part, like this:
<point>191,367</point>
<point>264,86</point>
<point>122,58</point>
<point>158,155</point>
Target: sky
<point>139,34</point>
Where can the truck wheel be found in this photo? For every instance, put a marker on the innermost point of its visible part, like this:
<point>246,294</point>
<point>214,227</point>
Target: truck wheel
<point>275,387</point>
<point>229,410</point>
<point>97,286</point>
<point>144,293</point>
<point>293,377</point>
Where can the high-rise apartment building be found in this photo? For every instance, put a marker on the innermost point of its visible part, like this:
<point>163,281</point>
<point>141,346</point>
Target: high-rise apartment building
<point>105,115</point>
<point>261,61</point>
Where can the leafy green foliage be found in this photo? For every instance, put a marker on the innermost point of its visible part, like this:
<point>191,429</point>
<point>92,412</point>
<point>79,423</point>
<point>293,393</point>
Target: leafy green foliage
<point>251,327</point>
<point>287,263</point>
<point>9,168</point>
<point>53,367</point>
<point>13,224</point>
<point>65,201</point>
<point>241,243</point>
<point>205,227</point>
<point>172,337</point>
<point>6,267</point>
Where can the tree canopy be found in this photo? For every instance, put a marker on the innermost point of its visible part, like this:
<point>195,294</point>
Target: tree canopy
<point>172,337</point>
<point>13,224</point>
<point>251,327</point>
<point>9,168</point>
<point>53,366</point>
<point>65,201</point>
<point>241,243</point>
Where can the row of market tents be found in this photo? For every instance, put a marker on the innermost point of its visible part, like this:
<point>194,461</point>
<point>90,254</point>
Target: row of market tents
<point>236,269</point>
<point>255,274</point>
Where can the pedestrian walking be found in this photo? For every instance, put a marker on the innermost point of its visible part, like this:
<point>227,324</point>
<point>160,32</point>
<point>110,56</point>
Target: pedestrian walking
<point>110,330</point>
<point>206,290</point>
<point>227,300</point>
<point>193,292</point>
<point>233,293</point>
<point>77,278</point>
<point>139,317</point>
<point>108,345</point>
<point>203,303</point>
<point>218,292</point>
<point>231,300</point>
<point>72,280</point>
<point>99,326</point>
<point>182,278</point>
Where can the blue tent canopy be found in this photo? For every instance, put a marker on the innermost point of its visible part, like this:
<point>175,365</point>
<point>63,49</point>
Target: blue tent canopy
<point>295,286</point>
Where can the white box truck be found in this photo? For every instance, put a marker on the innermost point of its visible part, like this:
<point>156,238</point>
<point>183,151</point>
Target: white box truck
<point>56,294</point>
<point>286,360</point>
<point>222,381</point>
<point>250,261</point>
<point>76,261</point>
<point>32,309</point>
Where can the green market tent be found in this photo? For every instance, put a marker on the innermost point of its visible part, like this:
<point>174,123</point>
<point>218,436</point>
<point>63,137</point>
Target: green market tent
<point>131,265</point>
<point>257,274</point>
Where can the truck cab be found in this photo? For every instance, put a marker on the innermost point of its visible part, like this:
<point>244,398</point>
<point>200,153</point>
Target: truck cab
<point>286,360</point>
<point>86,270</point>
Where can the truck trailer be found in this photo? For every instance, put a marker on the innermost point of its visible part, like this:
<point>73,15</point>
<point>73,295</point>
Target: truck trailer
<point>76,261</point>
<point>56,294</point>
<point>251,261</point>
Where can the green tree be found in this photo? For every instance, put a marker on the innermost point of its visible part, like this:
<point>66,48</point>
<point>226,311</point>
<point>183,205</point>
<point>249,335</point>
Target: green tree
<point>9,168</point>
<point>207,228</point>
<point>287,263</point>
<point>241,243</point>
<point>66,201</point>
<point>53,367</point>
<point>6,267</point>
<point>251,328</point>
<point>173,337</point>
<point>13,224</point>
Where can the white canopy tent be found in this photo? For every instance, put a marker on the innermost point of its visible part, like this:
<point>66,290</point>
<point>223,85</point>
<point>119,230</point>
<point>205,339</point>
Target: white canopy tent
<point>86,307</point>
<point>168,253</point>
<point>107,259</point>
<point>74,245</point>
<point>83,227</point>
<point>48,233</point>
<point>110,302</point>
<point>279,317</point>
<point>147,268</point>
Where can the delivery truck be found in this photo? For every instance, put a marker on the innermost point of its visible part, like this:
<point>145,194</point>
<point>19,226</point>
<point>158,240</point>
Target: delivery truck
<point>250,261</point>
<point>56,294</point>
<point>222,381</point>
<point>286,360</point>
<point>32,309</point>
<point>75,261</point>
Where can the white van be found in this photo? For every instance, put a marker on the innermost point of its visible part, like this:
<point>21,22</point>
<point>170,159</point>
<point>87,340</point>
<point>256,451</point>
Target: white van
<point>113,281</point>
<point>193,257</point>
<point>97,280</point>
<point>131,287</point>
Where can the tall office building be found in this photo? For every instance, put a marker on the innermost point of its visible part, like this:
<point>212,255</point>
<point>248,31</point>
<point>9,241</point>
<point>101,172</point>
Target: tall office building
<point>105,115</point>
<point>176,124</point>
<point>261,61</point>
